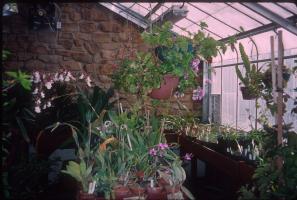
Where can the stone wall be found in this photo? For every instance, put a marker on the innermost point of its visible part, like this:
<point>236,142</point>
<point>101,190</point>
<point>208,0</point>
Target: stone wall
<point>92,38</point>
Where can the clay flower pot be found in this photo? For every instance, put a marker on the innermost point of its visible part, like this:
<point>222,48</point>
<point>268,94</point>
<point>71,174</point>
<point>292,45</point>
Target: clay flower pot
<point>137,190</point>
<point>85,196</point>
<point>121,192</point>
<point>168,86</point>
<point>156,192</point>
<point>140,175</point>
<point>172,189</point>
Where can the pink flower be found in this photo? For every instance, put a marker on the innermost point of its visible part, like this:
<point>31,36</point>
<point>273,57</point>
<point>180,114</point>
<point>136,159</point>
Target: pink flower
<point>195,64</point>
<point>163,146</point>
<point>153,152</point>
<point>188,156</point>
<point>198,94</point>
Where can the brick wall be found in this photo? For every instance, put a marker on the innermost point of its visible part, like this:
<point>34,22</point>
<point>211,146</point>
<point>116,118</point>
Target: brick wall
<point>92,38</point>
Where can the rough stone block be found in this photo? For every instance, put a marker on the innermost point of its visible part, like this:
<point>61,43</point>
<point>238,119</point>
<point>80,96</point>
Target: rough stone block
<point>66,43</point>
<point>87,27</point>
<point>54,59</point>
<point>82,57</point>
<point>71,65</point>
<point>101,37</point>
<point>69,27</point>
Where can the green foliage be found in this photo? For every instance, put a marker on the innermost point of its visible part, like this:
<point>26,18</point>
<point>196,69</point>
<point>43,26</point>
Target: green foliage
<point>138,76</point>
<point>141,75</point>
<point>253,76</point>
<point>5,54</point>
<point>22,78</point>
<point>80,172</point>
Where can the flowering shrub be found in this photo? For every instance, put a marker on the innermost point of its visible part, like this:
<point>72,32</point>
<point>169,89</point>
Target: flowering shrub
<point>43,83</point>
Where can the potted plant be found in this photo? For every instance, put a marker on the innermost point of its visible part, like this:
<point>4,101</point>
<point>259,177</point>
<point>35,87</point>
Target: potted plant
<point>252,80</point>
<point>174,67</point>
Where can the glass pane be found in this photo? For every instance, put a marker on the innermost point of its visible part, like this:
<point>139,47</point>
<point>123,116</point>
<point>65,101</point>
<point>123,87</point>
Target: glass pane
<point>290,6</point>
<point>140,9</point>
<point>195,14</point>
<point>128,5</point>
<point>276,9</point>
<point>218,27</point>
<point>211,8</point>
<point>251,13</point>
<point>236,19</point>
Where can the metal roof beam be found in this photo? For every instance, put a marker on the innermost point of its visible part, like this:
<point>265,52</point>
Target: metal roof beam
<point>258,30</point>
<point>154,9</point>
<point>127,13</point>
<point>261,10</point>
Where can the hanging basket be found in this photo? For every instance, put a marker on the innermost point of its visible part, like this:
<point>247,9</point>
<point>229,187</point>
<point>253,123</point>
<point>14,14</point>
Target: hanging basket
<point>247,94</point>
<point>166,89</point>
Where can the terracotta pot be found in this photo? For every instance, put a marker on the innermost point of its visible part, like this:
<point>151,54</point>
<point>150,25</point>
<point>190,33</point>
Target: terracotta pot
<point>140,175</point>
<point>121,192</point>
<point>156,192</point>
<point>137,190</point>
<point>246,94</point>
<point>172,189</point>
<point>85,196</point>
<point>166,89</point>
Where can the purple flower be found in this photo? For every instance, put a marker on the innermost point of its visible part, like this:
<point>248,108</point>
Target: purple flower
<point>195,65</point>
<point>153,152</point>
<point>198,94</point>
<point>163,146</point>
<point>188,156</point>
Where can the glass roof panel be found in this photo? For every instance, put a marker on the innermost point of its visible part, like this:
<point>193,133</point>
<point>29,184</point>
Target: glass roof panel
<point>128,5</point>
<point>290,6</point>
<point>211,8</point>
<point>179,31</point>
<point>250,13</point>
<point>195,14</point>
<point>140,9</point>
<point>219,28</point>
<point>236,19</point>
<point>276,9</point>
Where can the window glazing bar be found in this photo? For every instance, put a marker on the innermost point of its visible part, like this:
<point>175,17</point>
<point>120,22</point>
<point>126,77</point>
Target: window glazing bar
<point>283,22</point>
<point>258,30</point>
<point>229,4</point>
<point>154,9</point>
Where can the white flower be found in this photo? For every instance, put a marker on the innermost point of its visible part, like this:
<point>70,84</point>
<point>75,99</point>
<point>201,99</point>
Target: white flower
<point>70,76</point>
<point>42,95</point>
<point>81,76</point>
<point>37,109</point>
<point>48,85</point>
<point>49,104</point>
<point>61,78</point>
<point>36,76</point>
<point>67,79</point>
<point>35,91</point>
<point>56,77</point>
<point>44,106</point>
<point>88,80</point>
<point>38,101</point>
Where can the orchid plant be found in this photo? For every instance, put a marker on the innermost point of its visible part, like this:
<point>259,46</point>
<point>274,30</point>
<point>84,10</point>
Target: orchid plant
<point>43,83</point>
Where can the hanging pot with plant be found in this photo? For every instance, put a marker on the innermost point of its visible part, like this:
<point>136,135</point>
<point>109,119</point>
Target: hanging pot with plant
<point>252,80</point>
<point>166,89</point>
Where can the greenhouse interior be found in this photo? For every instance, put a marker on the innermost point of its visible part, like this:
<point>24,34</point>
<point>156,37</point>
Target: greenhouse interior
<point>149,100</point>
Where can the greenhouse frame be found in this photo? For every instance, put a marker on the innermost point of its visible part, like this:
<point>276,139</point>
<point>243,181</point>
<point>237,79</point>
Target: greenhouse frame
<point>149,100</point>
